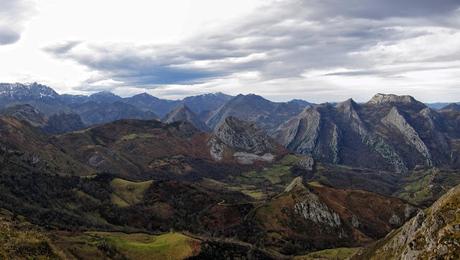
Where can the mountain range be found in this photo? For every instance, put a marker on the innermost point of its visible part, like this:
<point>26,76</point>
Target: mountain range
<point>221,177</point>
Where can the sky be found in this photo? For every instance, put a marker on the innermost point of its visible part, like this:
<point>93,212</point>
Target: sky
<point>317,50</point>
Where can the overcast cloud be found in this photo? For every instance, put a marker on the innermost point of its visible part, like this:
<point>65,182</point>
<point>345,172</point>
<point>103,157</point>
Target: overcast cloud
<point>315,49</point>
<point>13,15</point>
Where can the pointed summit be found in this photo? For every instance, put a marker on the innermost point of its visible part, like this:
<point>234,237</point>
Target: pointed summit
<point>184,114</point>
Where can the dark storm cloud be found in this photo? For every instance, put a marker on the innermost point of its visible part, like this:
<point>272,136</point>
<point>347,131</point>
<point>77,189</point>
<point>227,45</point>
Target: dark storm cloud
<point>283,40</point>
<point>13,14</point>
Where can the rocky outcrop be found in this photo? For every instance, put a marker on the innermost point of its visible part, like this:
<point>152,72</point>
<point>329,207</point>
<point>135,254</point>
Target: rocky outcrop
<point>431,234</point>
<point>312,209</point>
<point>250,158</point>
<point>392,99</point>
<point>306,163</point>
<point>242,141</point>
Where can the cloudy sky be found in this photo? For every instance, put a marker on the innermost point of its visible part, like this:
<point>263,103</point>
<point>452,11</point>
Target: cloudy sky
<point>318,50</point>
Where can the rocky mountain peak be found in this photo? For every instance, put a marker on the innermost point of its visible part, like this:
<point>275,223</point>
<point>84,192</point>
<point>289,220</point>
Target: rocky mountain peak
<point>392,99</point>
<point>348,105</point>
<point>183,114</point>
<point>26,91</point>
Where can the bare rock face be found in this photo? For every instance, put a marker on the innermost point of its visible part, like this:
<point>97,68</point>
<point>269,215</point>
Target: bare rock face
<point>395,119</point>
<point>306,163</point>
<point>391,99</point>
<point>431,234</point>
<point>314,210</point>
<point>300,133</point>
<point>250,158</point>
<point>243,141</point>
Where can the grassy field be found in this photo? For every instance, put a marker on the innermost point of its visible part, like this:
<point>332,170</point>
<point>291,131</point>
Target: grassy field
<point>117,245</point>
<point>127,193</point>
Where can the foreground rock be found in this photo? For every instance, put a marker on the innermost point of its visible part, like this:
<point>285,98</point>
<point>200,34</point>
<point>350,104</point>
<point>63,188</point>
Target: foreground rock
<point>431,234</point>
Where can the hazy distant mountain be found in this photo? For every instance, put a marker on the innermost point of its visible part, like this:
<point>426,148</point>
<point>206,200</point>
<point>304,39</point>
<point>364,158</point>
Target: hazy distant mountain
<point>147,102</point>
<point>388,132</point>
<point>104,97</point>
<point>55,124</point>
<point>183,114</point>
<point>207,102</point>
<point>266,114</point>
<point>453,107</point>
<point>92,112</point>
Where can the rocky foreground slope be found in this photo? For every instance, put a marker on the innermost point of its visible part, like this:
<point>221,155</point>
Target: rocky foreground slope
<point>432,234</point>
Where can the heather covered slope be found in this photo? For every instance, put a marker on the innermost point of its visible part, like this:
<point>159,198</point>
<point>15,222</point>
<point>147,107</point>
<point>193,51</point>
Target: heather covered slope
<point>29,148</point>
<point>309,217</point>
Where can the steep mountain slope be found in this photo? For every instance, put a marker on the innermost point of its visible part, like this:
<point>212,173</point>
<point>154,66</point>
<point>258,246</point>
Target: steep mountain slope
<point>55,124</point>
<point>26,113</point>
<point>266,114</point>
<point>431,234</point>
<point>21,144</point>
<point>389,132</point>
<point>235,138</point>
<point>183,114</point>
<point>136,148</point>
<point>63,123</point>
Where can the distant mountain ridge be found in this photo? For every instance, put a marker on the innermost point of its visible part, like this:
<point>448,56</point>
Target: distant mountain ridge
<point>91,108</point>
<point>103,107</point>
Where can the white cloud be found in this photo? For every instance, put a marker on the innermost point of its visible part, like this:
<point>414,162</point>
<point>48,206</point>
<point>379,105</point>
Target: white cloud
<point>316,50</point>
